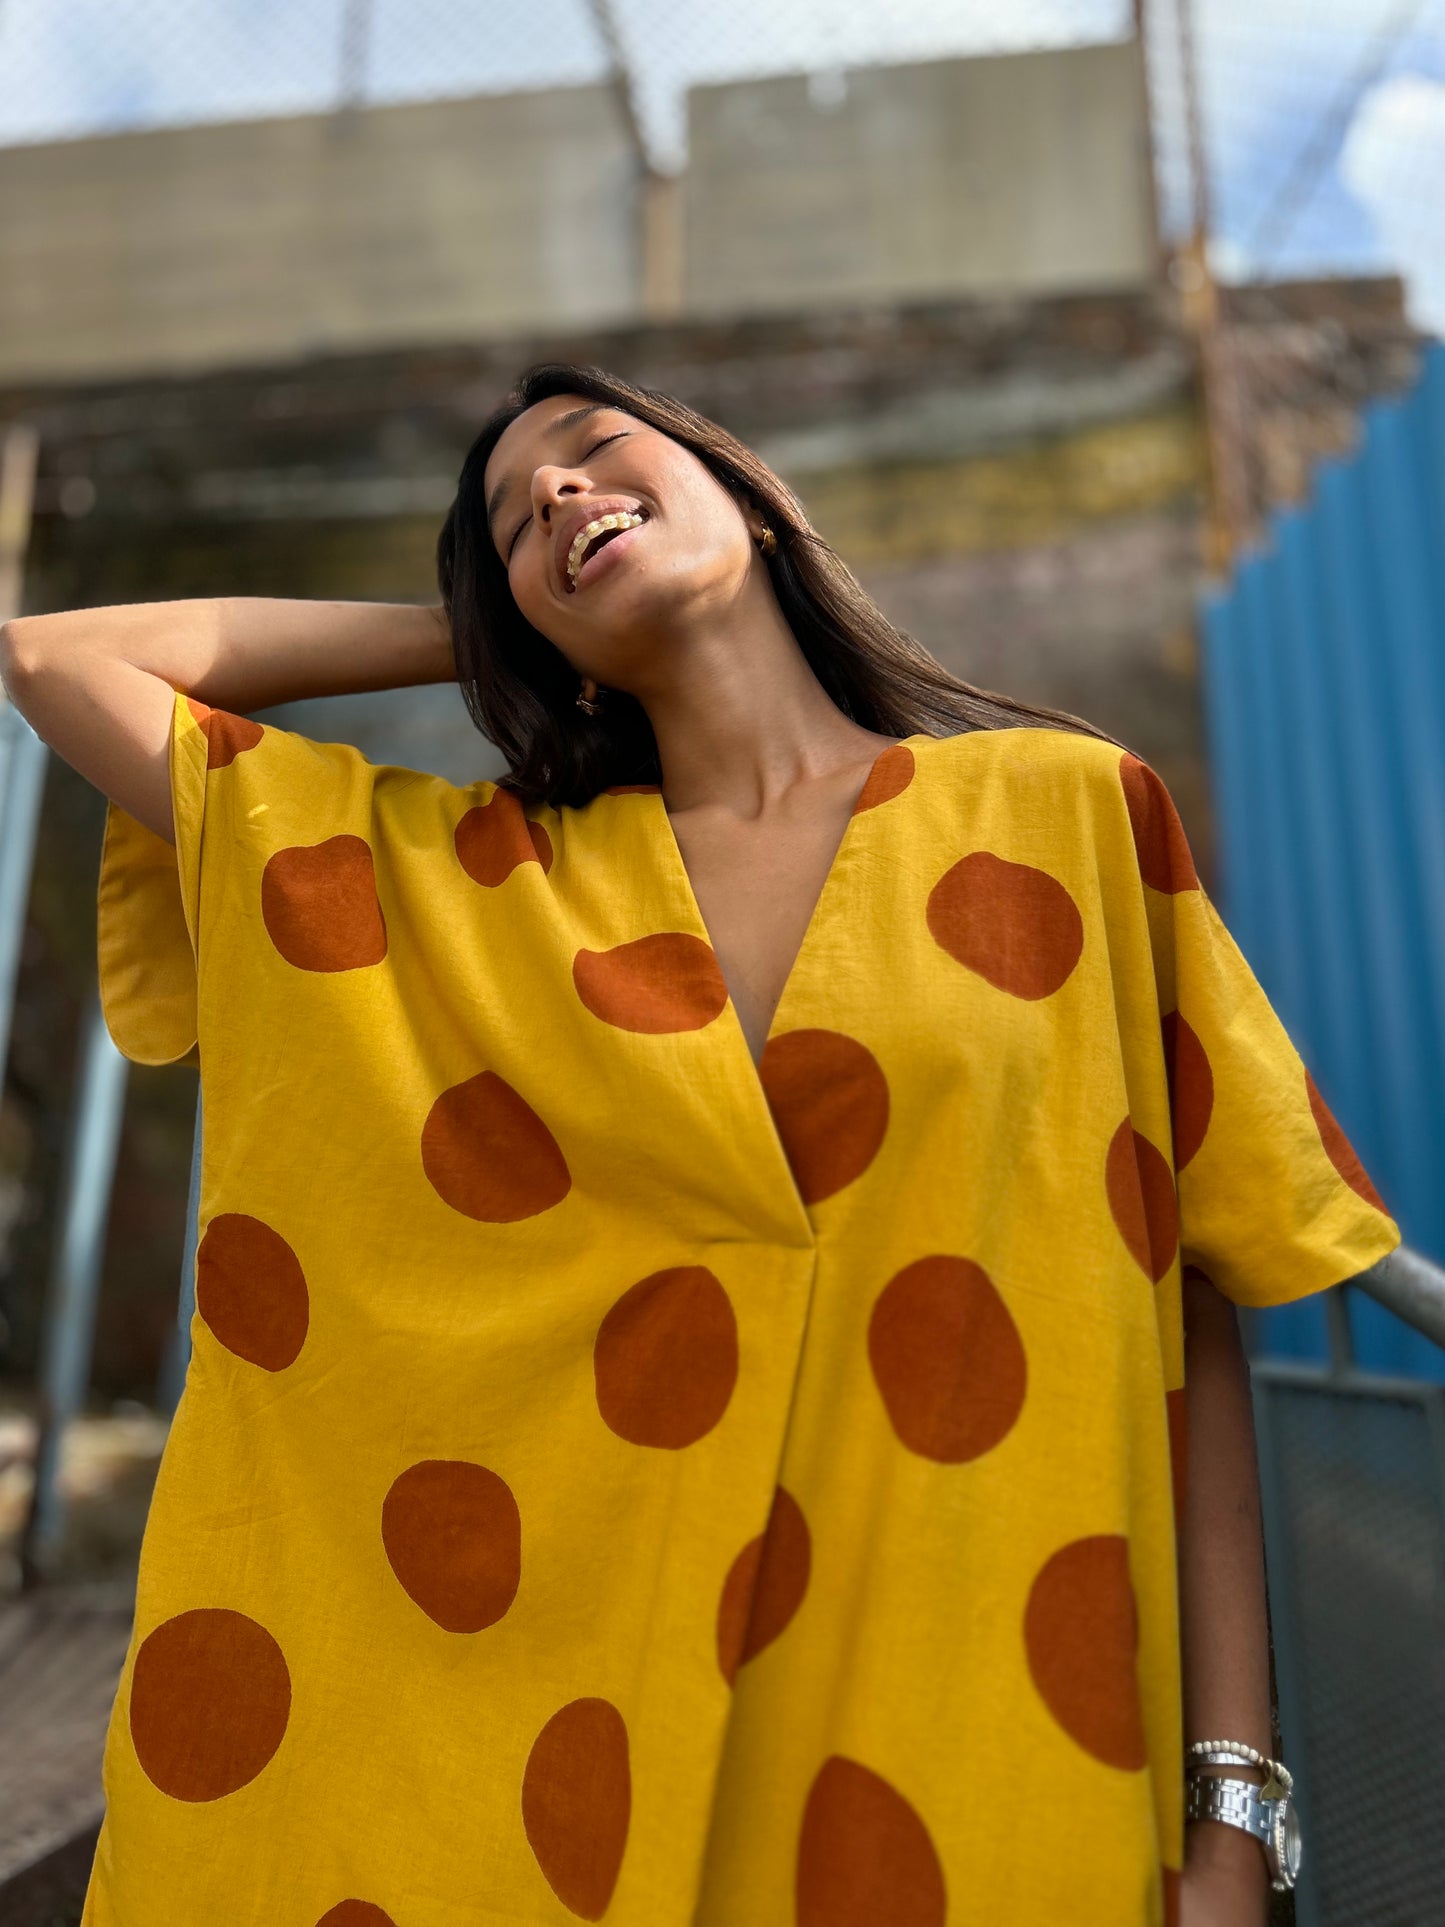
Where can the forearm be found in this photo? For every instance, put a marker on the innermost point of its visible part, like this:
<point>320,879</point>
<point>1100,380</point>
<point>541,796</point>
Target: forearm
<point>99,685</point>
<point>1223,1624</point>
<point>245,652</point>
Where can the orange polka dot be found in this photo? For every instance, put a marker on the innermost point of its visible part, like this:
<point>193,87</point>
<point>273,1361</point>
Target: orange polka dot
<point>541,843</point>
<point>765,1586</point>
<point>488,1155</point>
<point>1143,1200</point>
<point>947,1358</point>
<point>1016,927</point>
<point>666,1358</point>
<point>865,1858</point>
<point>1172,1882</point>
<point>1191,1086</point>
<point>890,775</point>
<point>1081,1633</point>
<point>226,735</point>
<point>355,1913</point>
<point>1165,862</point>
<point>829,1100</point>
<point>320,907</point>
<point>665,982</point>
<point>210,1696</point>
<point>577,1802</point>
<point>1340,1151</point>
<point>1178,1416</point>
<point>495,837</point>
<point>251,1291</point>
<point>453,1537</point>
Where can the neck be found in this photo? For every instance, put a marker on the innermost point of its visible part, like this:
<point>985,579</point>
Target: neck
<point>739,716</point>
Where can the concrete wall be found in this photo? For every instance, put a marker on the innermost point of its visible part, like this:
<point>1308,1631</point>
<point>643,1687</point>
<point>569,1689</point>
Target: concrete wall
<point>453,221</point>
<point>267,240</point>
<point>1010,174</point>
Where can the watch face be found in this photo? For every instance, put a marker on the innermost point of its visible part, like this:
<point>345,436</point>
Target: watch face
<point>1293,1845</point>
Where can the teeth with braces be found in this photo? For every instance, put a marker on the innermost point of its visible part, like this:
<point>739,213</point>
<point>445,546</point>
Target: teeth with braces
<point>589,534</point>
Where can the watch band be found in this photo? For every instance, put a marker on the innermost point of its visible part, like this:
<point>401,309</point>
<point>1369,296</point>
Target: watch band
<point>1240,1803</point>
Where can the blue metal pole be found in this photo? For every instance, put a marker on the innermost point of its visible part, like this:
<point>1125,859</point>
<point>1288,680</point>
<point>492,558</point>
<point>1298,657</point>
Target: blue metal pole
<point>178,1351</point>
<point>75,1279</point>
<point>22,784</point>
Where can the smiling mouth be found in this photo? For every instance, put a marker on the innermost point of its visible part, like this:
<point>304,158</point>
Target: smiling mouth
<point>593,536</point>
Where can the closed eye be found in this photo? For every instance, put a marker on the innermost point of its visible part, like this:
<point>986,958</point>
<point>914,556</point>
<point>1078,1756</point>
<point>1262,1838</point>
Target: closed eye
<point>525,523</point>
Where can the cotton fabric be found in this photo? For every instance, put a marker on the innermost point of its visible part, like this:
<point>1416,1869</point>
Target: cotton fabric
<point>616,1482</point>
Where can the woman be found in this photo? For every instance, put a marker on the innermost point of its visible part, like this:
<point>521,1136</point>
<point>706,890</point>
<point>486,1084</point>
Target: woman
<point>688,1405</point>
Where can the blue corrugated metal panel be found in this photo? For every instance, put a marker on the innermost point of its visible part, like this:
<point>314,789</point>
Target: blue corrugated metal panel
<point>1324,684</point>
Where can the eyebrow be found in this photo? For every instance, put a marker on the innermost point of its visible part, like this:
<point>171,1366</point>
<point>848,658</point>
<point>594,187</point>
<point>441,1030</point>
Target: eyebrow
<point>557,427</point>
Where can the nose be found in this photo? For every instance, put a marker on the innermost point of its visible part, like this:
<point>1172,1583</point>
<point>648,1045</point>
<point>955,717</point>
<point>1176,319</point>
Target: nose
<point>552,487</point>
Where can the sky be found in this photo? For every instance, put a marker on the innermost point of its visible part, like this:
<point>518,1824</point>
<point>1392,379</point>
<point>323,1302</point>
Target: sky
<point>1356,87</point>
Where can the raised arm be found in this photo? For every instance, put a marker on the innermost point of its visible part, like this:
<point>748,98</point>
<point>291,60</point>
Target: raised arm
<point>99,685</point>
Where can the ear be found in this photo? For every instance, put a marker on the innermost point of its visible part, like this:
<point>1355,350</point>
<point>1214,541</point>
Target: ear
<point>755,519</point>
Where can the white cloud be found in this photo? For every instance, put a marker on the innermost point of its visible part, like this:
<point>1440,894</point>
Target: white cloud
<point>1394,163</point>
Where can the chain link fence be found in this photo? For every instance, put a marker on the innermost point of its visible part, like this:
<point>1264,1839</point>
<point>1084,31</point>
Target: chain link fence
<point>85,66</point>
<point>1323,132</point>
<point>1323,120</point>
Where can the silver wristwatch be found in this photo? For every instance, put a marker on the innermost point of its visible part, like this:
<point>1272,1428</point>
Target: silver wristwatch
<point>1265,1811</point>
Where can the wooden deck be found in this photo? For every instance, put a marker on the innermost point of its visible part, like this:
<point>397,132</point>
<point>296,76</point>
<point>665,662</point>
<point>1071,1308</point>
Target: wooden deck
<point>61,1651</point>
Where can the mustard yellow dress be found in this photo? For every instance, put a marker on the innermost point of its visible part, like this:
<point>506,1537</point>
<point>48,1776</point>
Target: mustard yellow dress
<point>616,1482</point>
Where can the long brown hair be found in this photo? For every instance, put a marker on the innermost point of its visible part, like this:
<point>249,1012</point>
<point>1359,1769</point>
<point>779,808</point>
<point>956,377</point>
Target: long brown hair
<point>520,690</point>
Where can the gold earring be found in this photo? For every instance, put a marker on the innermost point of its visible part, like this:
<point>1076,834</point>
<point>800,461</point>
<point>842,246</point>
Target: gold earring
<point>767,541</point>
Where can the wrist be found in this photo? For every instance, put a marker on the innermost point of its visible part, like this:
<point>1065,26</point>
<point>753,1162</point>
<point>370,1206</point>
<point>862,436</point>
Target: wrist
<point>1228,1851</point>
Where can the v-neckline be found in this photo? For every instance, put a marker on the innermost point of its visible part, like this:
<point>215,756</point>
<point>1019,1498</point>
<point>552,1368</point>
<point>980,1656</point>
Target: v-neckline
<point>821,902</point>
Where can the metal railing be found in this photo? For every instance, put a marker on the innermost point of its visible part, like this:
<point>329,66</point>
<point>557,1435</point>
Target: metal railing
<point>1352,1475</point>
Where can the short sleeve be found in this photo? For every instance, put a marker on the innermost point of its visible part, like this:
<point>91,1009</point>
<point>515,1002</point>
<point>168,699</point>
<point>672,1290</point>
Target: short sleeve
<point>241,793</point>
<point>1273,1202</point>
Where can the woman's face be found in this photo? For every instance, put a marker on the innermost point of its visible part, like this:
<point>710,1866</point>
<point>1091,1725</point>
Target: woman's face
<point>677,544</point>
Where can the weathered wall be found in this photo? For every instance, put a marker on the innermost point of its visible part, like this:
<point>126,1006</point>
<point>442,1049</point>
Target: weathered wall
<point>1006,174</point>
<point>263,241</point>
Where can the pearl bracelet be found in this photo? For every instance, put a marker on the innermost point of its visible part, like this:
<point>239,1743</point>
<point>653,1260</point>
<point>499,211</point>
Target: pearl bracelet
<point>1236,1753</point>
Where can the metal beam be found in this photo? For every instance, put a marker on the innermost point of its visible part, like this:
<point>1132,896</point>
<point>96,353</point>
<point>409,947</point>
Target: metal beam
<point>177,1359</point>
<point>75,1280</point>
<point>660,239</point>
<point>1412,1287</point>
